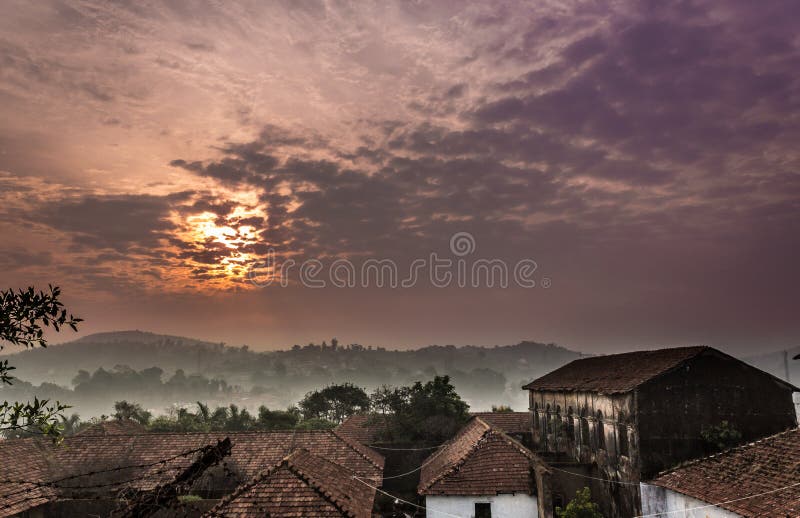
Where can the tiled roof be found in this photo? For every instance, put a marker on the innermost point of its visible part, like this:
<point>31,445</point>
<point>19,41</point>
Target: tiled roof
<point>509,422</point>
<point>764,466</point>
<point>140,456</point>
<point>614,373</point>
<point>364,428</point>
<point>22,461</point>
<point>301,485</point>
<point>478,461</point>
<point>374,457</point>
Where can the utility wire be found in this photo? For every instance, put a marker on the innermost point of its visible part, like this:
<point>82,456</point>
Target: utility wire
<point>398,499</point>
<point>720,503</point>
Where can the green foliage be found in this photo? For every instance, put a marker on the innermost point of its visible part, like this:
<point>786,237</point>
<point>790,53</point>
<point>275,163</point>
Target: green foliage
<point>502,409</point>
<point>721,437</point>
<point>23,316</point>
<point>430,412</point>
<point>133,411</point>
<point>335,402</point>
<point>24,312</point>
<point>580,507</point>
<point>232,418</point>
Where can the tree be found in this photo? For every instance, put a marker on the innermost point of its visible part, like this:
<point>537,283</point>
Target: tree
<point>580,507</point>
<point>23,316</point>
<point>721,437</point>
<point>430,412</point>
<point>133,411</point>
<point>334,402</point>
<point>500,409</point>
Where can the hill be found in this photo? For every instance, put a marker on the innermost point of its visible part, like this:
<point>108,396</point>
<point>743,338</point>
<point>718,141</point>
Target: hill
<point>483,375</point>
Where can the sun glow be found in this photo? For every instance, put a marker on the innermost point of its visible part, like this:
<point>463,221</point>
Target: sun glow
<point>218,248</point>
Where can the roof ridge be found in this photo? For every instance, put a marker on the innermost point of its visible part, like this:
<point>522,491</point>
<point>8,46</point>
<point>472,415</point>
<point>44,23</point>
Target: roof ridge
<point>725,452</point>
<point>463,458</point>
<point>246,486</point>
<point>356,449</point>
<point>314,484</point>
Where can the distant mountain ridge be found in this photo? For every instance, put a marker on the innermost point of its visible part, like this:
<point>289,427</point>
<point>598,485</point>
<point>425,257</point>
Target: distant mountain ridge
<point>494,374</point>
<point>140,336</point>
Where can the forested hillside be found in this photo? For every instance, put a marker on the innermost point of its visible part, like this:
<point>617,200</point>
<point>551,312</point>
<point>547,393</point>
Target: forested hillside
<point>158,370</point>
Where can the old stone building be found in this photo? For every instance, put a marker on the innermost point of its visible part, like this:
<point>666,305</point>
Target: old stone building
<point>618,419</point>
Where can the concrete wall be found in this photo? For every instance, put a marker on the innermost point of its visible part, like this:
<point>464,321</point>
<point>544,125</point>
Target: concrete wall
<point>503,506</point>
<point>659,502</point>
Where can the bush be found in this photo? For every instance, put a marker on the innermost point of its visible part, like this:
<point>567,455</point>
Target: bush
<point>721,437</point>
<point>580,507</point>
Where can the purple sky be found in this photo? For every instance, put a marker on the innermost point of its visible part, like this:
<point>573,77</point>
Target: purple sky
<point>644,154</point>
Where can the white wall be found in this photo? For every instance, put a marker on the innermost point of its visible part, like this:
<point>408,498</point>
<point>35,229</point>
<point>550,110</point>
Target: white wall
<point>664,503</point>
<point>503,506</point>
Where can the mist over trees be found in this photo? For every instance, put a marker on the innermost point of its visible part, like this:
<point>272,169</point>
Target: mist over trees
<point>162,372</point>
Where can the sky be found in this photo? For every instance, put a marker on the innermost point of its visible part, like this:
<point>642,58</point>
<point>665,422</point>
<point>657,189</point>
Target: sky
<point>635,163</point>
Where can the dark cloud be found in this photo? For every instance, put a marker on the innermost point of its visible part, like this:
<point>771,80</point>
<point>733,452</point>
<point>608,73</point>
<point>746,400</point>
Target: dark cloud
<point>119,222</point>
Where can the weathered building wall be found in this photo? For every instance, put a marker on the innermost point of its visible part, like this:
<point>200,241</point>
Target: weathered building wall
<point>503,506</point>
<point>659,502</point>
<point>597,430</point>
<point>675,408</point>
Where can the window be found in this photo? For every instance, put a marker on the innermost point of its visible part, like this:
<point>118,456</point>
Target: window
<point>483,510</point>
<point>536,416</point>
<point>557,422</point>
<point>558,501</point>
<point>623,439</point>
<point>601,433</point>
<point>570,424</point>
<point>584,429</point>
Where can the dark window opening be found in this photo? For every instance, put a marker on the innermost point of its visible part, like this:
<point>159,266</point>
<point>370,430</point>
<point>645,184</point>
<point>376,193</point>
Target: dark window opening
<point>623,440</point>
<point>601,432</point>
<point>558,501</point>
<point>483,510</point>
<point>584,432</point>
<point>570,424</point>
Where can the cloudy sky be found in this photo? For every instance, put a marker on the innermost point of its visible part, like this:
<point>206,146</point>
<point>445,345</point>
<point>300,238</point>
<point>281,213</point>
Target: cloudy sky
<point>644,154</point>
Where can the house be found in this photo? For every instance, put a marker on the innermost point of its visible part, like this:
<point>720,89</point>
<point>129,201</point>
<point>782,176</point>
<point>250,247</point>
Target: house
<point>301,484</point>
<point>482,473</point>
<point>516,424</point>
<point>87,471</point>
<point>623,418</point>
<point>758,479</point>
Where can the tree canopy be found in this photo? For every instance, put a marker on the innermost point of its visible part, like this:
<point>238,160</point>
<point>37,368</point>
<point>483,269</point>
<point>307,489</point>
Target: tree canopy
<point>335,402</point>
<point>24,315</point>
<point>423,412</point>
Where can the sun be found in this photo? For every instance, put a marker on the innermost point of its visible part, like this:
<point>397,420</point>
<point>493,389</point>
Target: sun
<point>218,249</point>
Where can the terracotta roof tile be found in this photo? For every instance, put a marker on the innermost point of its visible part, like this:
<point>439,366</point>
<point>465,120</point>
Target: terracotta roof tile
<point>479,460</point>
<point>140,454</point>
<point>509,422</point>
<point>763,466</point>
<point>614,372</point>
<point>364,428</point>
<point>23,460</point>
<point>301,485</point>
